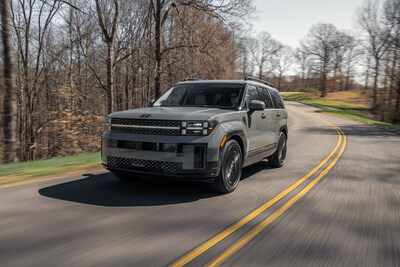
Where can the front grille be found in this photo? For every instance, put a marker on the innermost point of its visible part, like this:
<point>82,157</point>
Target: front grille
<point>145,130</point>
<point>142,165</point>
<point>159,127</point>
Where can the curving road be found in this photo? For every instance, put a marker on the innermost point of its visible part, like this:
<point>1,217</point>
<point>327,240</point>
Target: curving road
<point>345,213</point>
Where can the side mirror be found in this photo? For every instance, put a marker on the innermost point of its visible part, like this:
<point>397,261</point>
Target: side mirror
<point>256,105</point>
<point>150,103</point>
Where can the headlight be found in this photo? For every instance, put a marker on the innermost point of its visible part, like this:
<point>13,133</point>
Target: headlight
<point>108,124</point>
<point>198,127</point>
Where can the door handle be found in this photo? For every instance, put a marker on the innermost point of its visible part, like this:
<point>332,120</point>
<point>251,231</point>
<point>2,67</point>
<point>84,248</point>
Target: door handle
<point>263,116</point>
<point>278,114</point>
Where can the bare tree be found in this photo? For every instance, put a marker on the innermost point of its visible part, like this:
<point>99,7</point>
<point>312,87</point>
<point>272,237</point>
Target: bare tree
<point>391,20</point>
<point>245,60</point>
<point>31,32</point>
<point>344,55</point>
<point>303,61</point>
<point>376,39</point>
<point>161,9</point>
<point>352,54</point>
<point>282,61</point>
<point>320,44</point>
<point>10,105</point>
<point>263,51</point>
<point>108,21</point>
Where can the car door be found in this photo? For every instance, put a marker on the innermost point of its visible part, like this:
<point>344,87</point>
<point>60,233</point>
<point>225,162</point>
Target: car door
<point>268,118</point>
<point>254,122</point>
<point>279,111</point>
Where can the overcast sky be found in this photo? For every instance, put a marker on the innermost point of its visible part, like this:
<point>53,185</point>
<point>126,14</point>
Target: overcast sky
<point>288,21</point>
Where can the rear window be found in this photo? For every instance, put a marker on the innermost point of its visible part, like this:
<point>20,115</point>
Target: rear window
<point>276,99</point>
<point>265,97</point>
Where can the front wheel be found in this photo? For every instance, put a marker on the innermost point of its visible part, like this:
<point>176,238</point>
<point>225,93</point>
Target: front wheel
<point>279,157</point>
<point>231,168</point>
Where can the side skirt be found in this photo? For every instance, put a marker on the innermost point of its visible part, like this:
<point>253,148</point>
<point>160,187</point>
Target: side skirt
<point>258,154</point>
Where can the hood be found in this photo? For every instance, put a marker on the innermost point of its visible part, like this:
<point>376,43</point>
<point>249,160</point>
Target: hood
<point>171,113</point>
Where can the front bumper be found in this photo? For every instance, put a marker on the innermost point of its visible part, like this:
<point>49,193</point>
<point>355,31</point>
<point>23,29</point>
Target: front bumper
<point>188,175</point>
<point>193,158</point>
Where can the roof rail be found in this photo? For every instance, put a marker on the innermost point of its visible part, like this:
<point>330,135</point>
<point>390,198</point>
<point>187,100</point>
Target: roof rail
<point>191,79</point>
<point>260,81</point>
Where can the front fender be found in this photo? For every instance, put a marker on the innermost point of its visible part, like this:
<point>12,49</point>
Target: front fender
<point>237,129</point>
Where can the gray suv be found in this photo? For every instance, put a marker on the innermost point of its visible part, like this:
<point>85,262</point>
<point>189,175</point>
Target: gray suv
<point>199,130</point>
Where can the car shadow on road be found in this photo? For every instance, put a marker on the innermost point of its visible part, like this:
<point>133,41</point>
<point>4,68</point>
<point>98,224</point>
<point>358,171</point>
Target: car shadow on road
<point>105,190</point>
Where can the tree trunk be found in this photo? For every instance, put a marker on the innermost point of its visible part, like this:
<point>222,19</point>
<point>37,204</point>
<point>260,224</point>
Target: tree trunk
<point>367,74</point>
<point>10,102</point>
<point>392,78</point>
<point>323,84</point>
<point>397,107</point>
<point>244,63</point>
<point>279,81</point>
<point>110,74</point>
<point>127,80</point>
<point>347,79</point>
<point>157,79</point>
<point>375,87</point>
<point>109,39</point>
<point>323,78</point>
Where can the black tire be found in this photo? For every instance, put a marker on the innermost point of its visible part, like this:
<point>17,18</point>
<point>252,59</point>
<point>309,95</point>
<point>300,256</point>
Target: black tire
<point>123,176</point>
<point>231,168</point>
<point>279,157</point>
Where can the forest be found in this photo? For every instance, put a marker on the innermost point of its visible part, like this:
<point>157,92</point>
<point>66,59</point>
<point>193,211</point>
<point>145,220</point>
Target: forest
<point>67,64</point>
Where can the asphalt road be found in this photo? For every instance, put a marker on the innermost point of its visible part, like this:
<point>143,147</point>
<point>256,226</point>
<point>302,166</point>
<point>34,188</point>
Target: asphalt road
<point>350,217</point>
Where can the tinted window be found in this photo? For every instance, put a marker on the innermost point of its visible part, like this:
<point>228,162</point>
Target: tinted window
<point>265,97</point>
<point>276,99</point>
<point>251,94</point>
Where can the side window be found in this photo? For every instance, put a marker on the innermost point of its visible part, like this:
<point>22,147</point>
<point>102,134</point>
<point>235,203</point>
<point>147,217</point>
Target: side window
<point>252,94</point>
<point>276,99</point>
<point>265,97</point>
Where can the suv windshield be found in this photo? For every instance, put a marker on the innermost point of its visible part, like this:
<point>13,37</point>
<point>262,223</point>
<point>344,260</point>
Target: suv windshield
<point>201,95</point>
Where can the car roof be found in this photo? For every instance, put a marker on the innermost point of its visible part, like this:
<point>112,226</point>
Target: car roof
<point>198,81</point>
<point>213,81</point>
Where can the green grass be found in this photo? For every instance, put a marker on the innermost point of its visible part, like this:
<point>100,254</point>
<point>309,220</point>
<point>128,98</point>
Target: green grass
<point>15,172</point>
<point>305,90</point>
<point>341,109</point>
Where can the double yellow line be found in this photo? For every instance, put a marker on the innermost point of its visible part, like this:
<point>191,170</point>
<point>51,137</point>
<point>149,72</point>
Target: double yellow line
<point>255,231</point>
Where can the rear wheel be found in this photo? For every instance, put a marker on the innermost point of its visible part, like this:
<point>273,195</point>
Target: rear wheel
<point>279,157</point>
<point>231,168</point>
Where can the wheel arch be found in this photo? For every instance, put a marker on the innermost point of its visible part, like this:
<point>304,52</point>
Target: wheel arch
<point>239,137</point>
<point>284,129</point>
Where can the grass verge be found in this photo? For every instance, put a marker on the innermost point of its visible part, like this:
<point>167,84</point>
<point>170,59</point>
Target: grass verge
<point>17,172</point>
<point>342,109</point>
